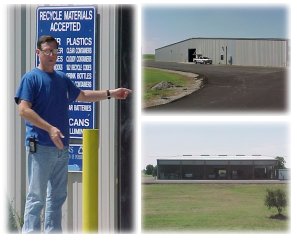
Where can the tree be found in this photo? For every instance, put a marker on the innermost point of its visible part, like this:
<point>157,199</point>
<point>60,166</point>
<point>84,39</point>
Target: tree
<point>276,198</point>
<point>280,162</point>
<point>149,169</point>
<point>155,171</point>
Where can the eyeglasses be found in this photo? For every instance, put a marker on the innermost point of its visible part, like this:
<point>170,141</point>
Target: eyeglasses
<point>49,52</point>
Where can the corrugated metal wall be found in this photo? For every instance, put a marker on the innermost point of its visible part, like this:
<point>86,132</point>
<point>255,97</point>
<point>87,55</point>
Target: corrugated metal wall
<point>245,52</point>
<point>17,59</point>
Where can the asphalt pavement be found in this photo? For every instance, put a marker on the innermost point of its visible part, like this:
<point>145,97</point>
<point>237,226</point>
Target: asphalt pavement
<point>230,89</point>
<point>151,180</point>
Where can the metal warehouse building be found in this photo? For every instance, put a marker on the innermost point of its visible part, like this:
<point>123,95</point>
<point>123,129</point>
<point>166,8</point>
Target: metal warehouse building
<point>229,51</point>
<point>206,167</point>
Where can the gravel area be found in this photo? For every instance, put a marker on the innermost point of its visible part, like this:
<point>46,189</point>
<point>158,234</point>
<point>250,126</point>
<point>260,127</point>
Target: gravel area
<point>196,82</point>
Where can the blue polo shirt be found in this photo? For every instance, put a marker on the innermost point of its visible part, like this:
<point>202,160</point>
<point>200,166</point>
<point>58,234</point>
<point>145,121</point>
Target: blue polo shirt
<point>50,95</point>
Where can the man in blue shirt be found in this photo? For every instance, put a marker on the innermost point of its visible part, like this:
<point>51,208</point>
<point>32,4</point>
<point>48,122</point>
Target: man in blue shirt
<point>43,98</point>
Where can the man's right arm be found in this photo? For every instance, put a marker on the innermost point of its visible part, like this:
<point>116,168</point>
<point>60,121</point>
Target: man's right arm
<point>26,111</point>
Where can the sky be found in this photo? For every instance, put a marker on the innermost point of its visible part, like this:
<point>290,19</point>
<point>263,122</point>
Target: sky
<point>163,25</point>
<point>167,139</point>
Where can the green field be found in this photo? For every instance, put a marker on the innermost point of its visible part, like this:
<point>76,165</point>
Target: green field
<point>210,207</point>
<point>152,77</point>
<point>148,57</point>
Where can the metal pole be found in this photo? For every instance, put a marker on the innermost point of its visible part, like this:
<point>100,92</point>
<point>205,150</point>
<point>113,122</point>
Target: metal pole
<point>90,181</point>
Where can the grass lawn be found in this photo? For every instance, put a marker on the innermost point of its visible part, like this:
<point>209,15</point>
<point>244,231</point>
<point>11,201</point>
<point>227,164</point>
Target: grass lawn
<point>148,57</point>
<point>152,77</point>
<point>210,207</point>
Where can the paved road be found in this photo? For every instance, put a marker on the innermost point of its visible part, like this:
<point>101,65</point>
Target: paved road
<point>231,88</point>
<point>154,181</point>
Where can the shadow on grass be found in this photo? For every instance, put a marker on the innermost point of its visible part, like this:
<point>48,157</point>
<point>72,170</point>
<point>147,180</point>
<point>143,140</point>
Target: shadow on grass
<point>279,217</point>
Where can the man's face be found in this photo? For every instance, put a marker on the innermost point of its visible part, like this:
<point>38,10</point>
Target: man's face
<point>48,54</point>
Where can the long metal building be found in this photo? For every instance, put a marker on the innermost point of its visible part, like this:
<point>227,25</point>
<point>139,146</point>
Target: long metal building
<point>269,52</point>
<point>208,167</point>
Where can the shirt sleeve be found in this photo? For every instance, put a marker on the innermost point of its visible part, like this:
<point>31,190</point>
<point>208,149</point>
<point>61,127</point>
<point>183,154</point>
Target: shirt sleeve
<point>25,91</point>
<point>73,91</point>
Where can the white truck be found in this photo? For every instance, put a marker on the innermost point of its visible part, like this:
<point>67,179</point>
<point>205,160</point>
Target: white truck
<point>202,60</point>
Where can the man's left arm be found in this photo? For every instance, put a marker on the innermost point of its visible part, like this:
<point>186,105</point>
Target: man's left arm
<point>97,95</point>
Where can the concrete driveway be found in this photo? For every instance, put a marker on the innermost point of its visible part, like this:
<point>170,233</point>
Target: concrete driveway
<point>230,89</point>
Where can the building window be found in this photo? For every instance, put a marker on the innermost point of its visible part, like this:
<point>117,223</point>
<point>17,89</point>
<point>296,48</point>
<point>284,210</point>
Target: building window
<point>222,57</point>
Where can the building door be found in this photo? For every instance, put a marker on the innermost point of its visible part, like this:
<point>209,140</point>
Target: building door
<point>191,55</point>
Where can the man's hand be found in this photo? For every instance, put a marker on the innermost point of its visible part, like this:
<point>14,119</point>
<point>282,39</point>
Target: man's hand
<point>120,93</point>
<point>27,113</point>
<point>97,95</point>
<point>56,135</point>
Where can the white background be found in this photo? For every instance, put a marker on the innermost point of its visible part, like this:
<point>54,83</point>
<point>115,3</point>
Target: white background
<point>290,118</point>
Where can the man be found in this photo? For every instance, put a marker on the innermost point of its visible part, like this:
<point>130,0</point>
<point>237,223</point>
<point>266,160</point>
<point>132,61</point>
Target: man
<point>43,98</point>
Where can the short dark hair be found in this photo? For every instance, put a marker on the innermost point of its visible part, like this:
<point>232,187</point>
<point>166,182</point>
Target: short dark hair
<point>46,39</point>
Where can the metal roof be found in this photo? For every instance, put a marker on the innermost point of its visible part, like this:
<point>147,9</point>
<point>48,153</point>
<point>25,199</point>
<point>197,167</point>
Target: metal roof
<point>265,39</point>
<point>220,157</point>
